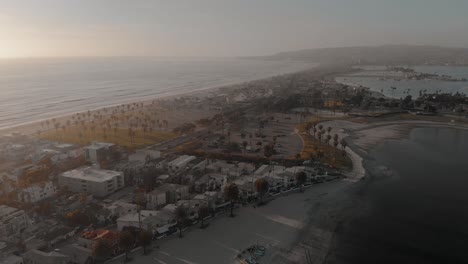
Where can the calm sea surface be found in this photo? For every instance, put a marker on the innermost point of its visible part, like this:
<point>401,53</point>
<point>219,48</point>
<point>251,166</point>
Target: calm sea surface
<point>413,86</point>
<point>420,215</point>
<point>33,89</point>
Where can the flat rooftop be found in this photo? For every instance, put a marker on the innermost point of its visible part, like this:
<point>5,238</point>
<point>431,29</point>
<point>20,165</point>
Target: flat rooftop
<point>99,145</point>
<point>182,160</point>
<point>7,212</point>
<point>91,174</point>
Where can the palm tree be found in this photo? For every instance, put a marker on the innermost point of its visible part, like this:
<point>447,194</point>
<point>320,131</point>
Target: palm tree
<point>343,143</point>
<point>262,186</point>
<point>181,216</point>
<point>126,242</point>
<point>300,179</point>
<point>231,192</point>
<point>203,212</point>
<point>335,140</point>
<point>140,200</point>
<point>145,238</point>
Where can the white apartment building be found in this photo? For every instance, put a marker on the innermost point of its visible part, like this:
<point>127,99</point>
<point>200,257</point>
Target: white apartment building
<point>97,182</point>
<point>12,221</point>
<point>37,192</point>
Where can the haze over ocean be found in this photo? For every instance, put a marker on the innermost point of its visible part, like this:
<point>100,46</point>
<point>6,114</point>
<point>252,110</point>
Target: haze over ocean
<point>35,89</point>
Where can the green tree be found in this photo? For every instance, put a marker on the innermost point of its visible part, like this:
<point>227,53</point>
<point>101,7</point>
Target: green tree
<point>231,192</point>
<point>101,250</point>
<point>145,238</point>
<point>203,212</point>
<point>262,186</point>
<point>300,179</point>
<point>181,216</point>
<point>126,242</point>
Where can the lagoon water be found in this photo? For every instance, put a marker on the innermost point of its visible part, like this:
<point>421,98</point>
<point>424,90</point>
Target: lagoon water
<point>413,86</point>
<point>418,215</point>
<point>33,89</point>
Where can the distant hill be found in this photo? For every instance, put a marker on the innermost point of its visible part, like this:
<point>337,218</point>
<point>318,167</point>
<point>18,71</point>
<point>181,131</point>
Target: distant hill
<point>381,55</point>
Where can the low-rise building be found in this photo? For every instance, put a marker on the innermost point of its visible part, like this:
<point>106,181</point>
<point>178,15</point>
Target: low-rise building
<point>208,198</point>
<point>166,193</point>
<point>11,259</point>
<point>97,182</point>
<point>99,153</point>
<point>120,208</point>
<point>12,221</point>
<point>60,152</point>
<point>78,254</point>
<point>37,192</point>
<point>7,182</point>
<point>144,155</point>
<point>40,257</point>
<point>180,162</point>
<point>156,221</point>
<point>156,198</point>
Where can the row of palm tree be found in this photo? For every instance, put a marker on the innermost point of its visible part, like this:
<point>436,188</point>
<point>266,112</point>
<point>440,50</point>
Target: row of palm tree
<point>135,116</point>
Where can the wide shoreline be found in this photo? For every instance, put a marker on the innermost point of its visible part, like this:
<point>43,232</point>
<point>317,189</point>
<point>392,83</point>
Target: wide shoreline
<point>32,127</point>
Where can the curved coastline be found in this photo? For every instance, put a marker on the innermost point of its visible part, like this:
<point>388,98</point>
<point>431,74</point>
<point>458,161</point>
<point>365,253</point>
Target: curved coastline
<point>358,148</point>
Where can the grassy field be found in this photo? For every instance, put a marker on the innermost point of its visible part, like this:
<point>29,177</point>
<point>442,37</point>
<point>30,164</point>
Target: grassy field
<point>119,136</point>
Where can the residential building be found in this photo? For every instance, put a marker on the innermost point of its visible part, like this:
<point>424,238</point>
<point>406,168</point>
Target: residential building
<point>58,234</point>
<point>61,152</point>
<point>7,182</point>
<point>166,193</point>
<point>11,259</point>
<point>89,238</point>
<point>144,155</point>
<point>97,182</point>
<point>99,153</point>
<point>156,221</point>
<point>37,192</point>
<point>180,162</point>
<point>16,152</point>
<point>155,199</point>
<point>40,257</point>
<point>78,254</point>
<point>208,198</point>
<point>120,208</point>
<point>12,221</point>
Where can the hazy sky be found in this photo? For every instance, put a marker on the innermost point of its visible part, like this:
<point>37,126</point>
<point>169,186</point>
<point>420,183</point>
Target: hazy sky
<point>222,27</point>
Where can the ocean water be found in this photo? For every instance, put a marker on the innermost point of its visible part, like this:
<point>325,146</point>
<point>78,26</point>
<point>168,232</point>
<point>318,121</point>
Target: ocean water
<point>409,87</point>
<point>419,215</point>
<point>35,89</point>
